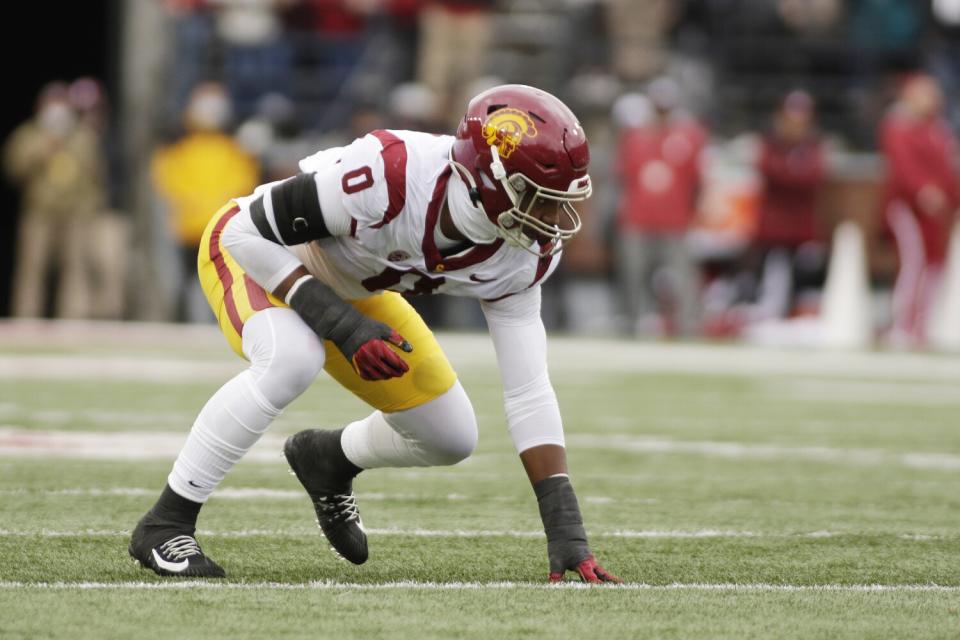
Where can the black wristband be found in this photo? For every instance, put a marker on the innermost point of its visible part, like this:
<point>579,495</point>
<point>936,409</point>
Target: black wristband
<point>334,319</point>
<point>562,522</point>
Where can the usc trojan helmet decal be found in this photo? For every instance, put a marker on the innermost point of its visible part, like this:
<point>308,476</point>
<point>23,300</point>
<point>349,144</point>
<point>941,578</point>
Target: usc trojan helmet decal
<point>505,129</point>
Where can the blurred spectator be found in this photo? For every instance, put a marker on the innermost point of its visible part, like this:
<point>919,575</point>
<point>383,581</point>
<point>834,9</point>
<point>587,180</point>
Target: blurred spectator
<point>193,39</point>
<point>788,241</point>
<point>55,158</point>
<point>272,135</point>
<point>454,38</point>
<point>403,27</point>
<point>632,111</point>
<point>638,36</point>
<point>107,246</point>
<point>810,17</point>
<point>331,38</point>
<point>885,33</point>
<point>413,106</point>
<point>943,54</point>
<point>921,197</point>
<point>365,116</point>
<point>580,296</point>
<point>659,172</point>
<point>197,174</point>
<point>258,56</point>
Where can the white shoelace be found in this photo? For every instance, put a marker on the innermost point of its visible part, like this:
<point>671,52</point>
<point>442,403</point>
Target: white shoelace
<point>343,505</point>
<point>180,547</point>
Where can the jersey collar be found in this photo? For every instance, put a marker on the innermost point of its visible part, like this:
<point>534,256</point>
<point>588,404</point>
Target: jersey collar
<point>433,260</point>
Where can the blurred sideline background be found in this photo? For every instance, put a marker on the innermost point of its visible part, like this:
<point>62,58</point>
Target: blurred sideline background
<point>775,171</point>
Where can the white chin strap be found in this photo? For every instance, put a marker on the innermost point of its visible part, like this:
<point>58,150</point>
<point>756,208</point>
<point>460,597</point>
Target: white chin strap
<point>496,166</point>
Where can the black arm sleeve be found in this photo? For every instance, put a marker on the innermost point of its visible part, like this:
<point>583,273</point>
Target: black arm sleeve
<point>296,211</point>
<point>562,522</point>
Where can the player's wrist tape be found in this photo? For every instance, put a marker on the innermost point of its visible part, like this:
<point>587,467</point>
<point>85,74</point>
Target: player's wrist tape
<point>562,522</point>
<point>296,285</point>
<point>332,318</point>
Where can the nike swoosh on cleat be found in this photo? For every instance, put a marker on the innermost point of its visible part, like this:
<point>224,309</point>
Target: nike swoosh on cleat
<point>175,567</point>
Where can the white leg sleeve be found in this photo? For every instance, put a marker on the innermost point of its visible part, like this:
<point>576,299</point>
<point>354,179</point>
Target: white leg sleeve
<point>440,432</point>
<point>533,415</point>
<point>913,259</point>
<point>285,356</point>
<point>776,284</point>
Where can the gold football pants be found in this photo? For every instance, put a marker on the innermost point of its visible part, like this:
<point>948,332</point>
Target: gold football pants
<point>235,298</point>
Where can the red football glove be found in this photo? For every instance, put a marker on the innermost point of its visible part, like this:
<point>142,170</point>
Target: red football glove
<point>375,360</point>
<point>589,571</point>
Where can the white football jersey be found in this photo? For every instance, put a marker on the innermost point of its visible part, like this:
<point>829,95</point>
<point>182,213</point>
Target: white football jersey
<point>380,198</point>
<point>392,186</point>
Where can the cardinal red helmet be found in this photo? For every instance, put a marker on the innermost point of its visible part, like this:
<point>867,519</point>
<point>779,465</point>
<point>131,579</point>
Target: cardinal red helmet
<point>519,148</point>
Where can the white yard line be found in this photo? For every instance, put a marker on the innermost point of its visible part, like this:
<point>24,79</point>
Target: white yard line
<point>138,445</point>
<point>119,445</point>
<point>568,355</point>
<point>584,356</point>
<point>463,533</point>
<point>70,333</point>
<point>253,493</point>
<point>117,368</point>
<point>329,585</point>
<point>10,412</point>
<point>752,451</point>
<point>872,392</point>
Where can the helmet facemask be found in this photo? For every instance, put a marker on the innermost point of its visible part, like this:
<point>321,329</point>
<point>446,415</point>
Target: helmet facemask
<point>518,226</point>
<point>523,156</point>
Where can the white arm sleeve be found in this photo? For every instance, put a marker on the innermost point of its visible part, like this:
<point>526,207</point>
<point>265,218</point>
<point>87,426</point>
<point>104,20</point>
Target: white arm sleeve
<point>266,262</point>
<point>520,340</point>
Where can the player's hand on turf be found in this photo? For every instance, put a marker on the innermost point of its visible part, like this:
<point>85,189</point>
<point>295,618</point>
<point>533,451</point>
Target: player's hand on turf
<point>588,570</point>
<point>567,547</point>
<point>374,359</point>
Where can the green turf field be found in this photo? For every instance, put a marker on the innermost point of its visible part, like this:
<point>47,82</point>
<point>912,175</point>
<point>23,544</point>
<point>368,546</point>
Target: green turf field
<point>739,493</point>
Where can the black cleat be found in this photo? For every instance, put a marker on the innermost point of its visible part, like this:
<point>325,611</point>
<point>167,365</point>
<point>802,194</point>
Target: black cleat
<point>170,550</point>
<point>318,462</point>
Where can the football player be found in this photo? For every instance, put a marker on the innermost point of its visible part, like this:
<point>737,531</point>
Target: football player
<point>307,274</point>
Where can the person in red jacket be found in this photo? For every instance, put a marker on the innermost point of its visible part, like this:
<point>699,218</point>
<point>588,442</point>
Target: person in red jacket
<point>788,239</point>
<point>921,196</point>
<point>659,173</point>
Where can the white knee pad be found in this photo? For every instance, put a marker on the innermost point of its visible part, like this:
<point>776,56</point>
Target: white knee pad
<point>285,354</point>
<point>440,432</point>
<point>445,427</point>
